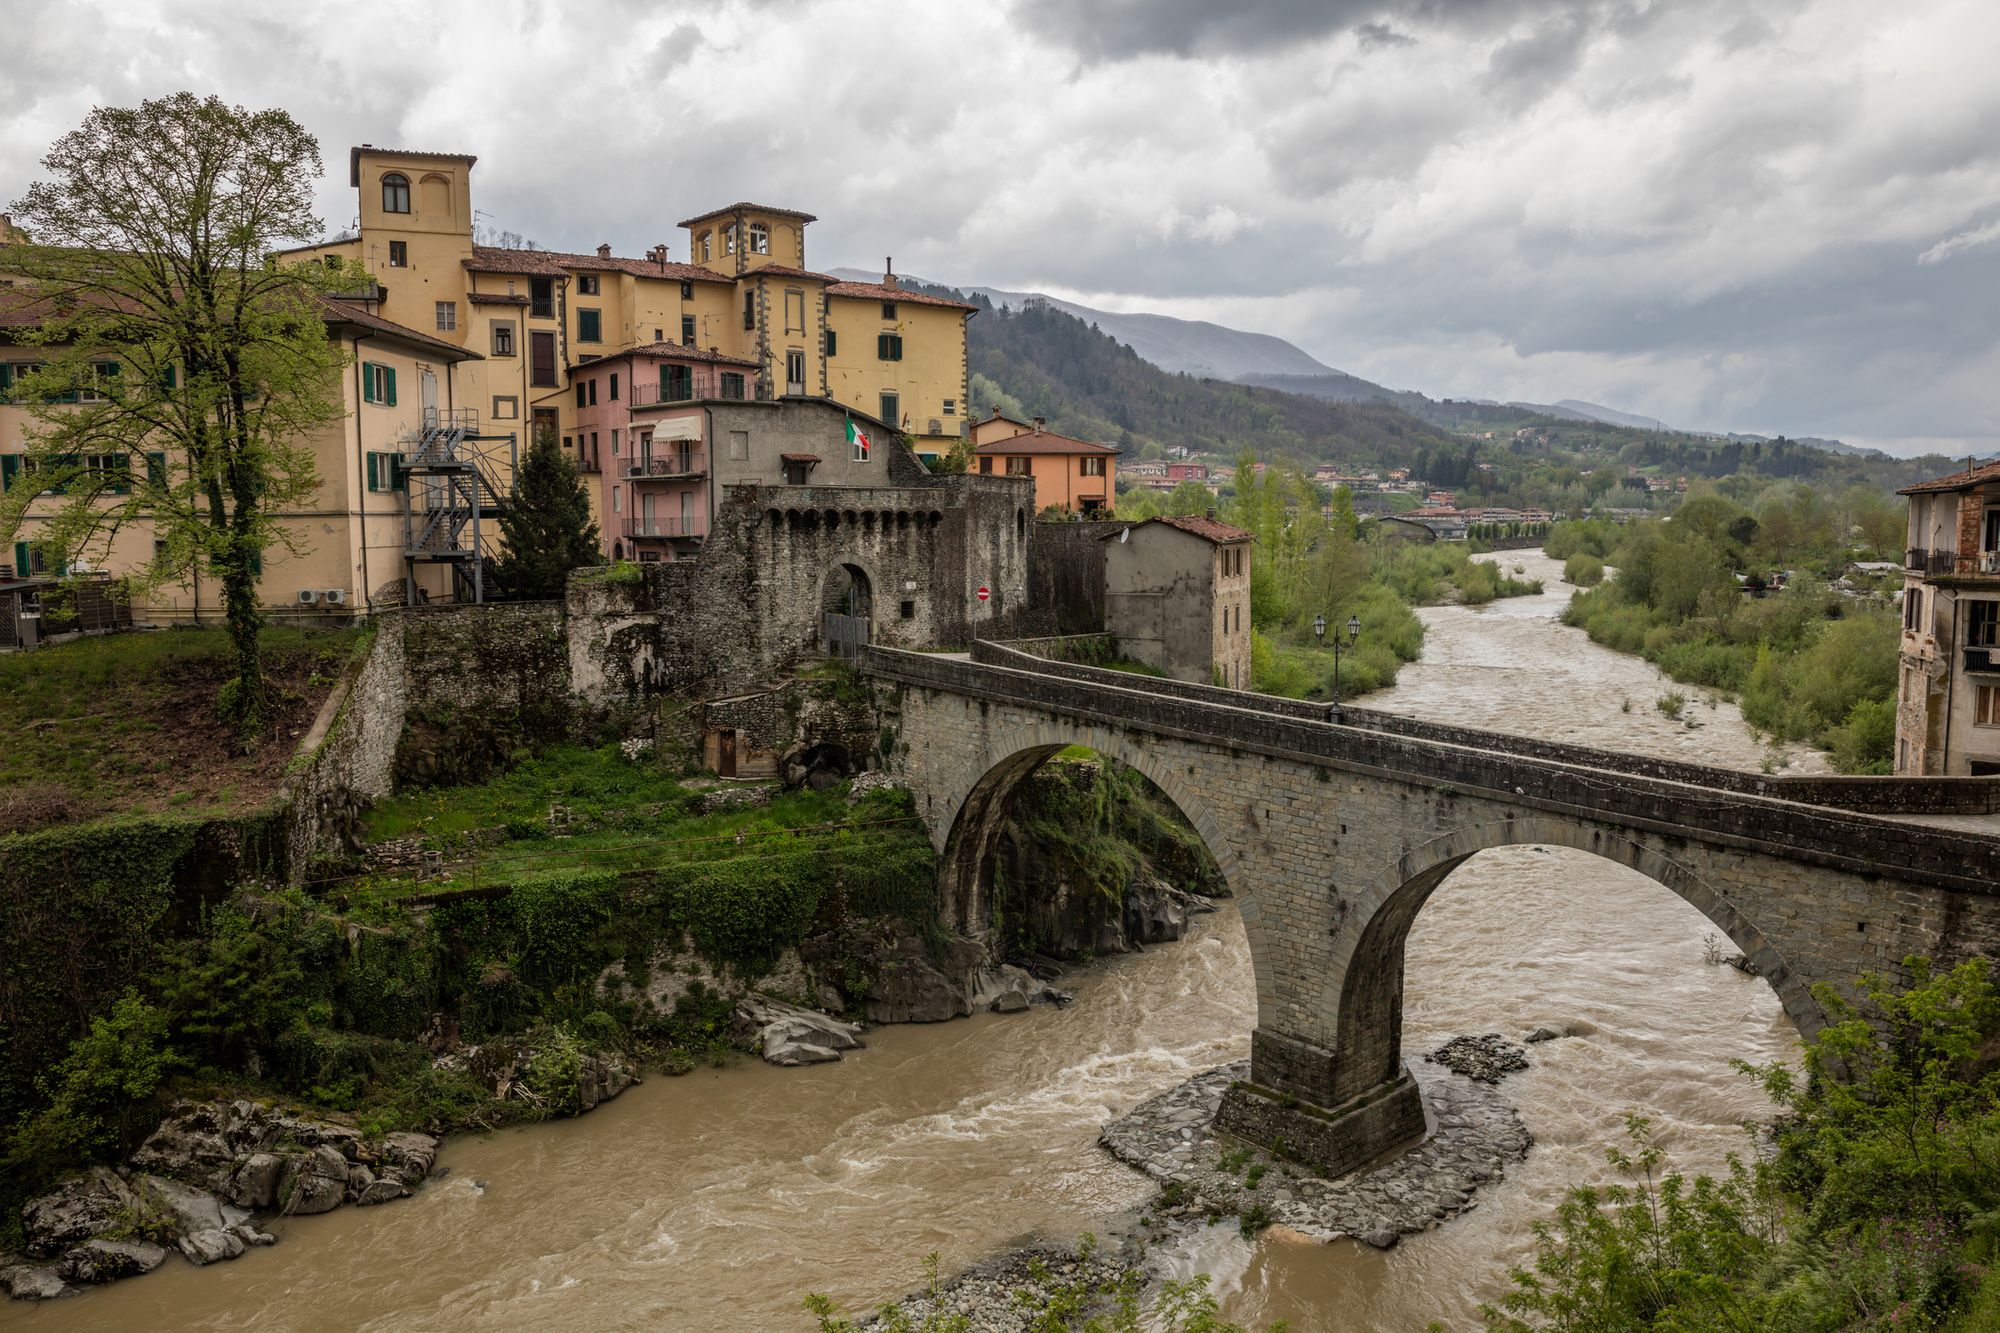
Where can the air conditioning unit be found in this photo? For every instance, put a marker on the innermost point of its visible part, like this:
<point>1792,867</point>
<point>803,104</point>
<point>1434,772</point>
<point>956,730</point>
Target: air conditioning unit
<point>308,596</point>
<point>336,596</point>
<point>1989,562</point>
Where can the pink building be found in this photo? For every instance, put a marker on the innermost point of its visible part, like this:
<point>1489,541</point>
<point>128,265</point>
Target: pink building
<point>649,458</point>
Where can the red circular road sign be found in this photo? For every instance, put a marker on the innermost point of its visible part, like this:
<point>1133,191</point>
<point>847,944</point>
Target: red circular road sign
<point>983,594</point>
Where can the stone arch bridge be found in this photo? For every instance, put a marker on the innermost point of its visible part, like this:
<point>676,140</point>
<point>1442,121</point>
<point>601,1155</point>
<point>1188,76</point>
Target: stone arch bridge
<point>1333,831</point>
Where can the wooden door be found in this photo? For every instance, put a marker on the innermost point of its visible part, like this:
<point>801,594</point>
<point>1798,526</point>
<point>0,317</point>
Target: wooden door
<point>725,752</point>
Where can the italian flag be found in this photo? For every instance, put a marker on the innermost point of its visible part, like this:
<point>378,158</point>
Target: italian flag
<point>858,438</point>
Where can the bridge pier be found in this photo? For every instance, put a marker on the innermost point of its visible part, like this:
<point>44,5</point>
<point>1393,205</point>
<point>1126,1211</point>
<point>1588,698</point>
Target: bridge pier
<point>1291,1105</point>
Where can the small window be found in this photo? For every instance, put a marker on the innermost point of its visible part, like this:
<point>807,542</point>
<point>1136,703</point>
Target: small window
<point>687,330</point>
<point>586,285</point>
<point>732,384</point>
<point>687,291</point>
<point>729,239</point>
<point>616,505</point>
<point>385,473</point>
<point>1982,626</point>
<point>889,346</point>
<point>592,386</point>
<point>1986,706</point>
<point>986,465</point>
<point>399,254</point>
<point>582,393</point>
<point>1019,467</point>
<point>706,246</point>
<point>888,310</point>
<point>378,384</point>
<point>749,310</point>
<point>541,298</point>
<point>951,407</point>
<point>613,394</point>
<point>542,367</point>
<point>795,371</point>
<point>659,335</point>
<point>906,610</point>
<point>395,193</point>
<point>447,316</point>
<point>614,441</point>
<point>892,411</point>
<point>832,342</point>
<point>760,239</point>
<point>506,407</point>
<point>1093,466</point>
<point>503,339</point>
<point>589,326</point>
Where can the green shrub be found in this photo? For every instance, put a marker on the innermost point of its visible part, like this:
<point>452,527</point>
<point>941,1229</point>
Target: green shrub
<point>1584,570</point>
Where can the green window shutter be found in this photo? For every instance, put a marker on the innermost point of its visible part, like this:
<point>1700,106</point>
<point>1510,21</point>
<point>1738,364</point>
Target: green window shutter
<point>10,468</point>
<point>169,377</point>
<point>374,464</point>
<point>397,481</point>
<point>390,390</point>
<point>256,564</point>
<point>156,468</point>
<point>368,369</point>
<point>22,557</point>
<point>6,381</point>
<point>832,343</point>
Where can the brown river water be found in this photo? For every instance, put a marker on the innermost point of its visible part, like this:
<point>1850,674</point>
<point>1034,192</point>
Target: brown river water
<point>717,1200</point>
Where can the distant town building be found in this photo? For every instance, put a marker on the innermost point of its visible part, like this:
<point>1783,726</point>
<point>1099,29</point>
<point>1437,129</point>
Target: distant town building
<point>1074,475</point>
<point>1948,691</point>
<point>1177,597</point>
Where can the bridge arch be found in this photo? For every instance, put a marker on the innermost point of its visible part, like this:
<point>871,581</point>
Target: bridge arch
<point>966,827</point>
<point>1363,1006</point>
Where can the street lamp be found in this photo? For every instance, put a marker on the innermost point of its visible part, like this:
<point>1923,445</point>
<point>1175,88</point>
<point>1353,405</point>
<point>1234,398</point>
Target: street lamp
<point>1353,633</point>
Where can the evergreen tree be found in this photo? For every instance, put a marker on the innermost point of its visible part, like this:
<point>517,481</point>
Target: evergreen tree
<point>547,530</point>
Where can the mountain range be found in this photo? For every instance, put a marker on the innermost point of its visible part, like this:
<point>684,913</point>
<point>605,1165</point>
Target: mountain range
<point>1215,351</point>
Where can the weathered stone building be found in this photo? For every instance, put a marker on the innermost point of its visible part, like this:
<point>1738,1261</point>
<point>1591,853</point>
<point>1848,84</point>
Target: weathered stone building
<point>1177,597</point>
<point>1948,695</point>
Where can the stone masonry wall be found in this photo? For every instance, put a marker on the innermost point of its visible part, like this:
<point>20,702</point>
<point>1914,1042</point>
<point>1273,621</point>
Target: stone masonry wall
<point>353,760</point>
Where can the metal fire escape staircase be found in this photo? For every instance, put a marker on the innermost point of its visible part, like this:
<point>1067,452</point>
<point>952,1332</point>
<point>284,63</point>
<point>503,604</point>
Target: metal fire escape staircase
<point>457,483</point>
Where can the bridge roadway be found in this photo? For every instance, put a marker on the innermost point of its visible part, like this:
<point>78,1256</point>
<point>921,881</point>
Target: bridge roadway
<point>1332,832</point>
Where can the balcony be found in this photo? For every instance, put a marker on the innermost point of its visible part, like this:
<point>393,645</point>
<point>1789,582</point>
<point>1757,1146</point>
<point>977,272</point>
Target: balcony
<point>1931,564</point>
<point>694,463</point>
<point>1985,660</point>
<point>729,385</point>
<point>666,527</point>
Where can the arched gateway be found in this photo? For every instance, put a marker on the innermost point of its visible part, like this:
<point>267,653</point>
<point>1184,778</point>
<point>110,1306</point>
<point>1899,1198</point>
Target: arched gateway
<point>1333,835</point>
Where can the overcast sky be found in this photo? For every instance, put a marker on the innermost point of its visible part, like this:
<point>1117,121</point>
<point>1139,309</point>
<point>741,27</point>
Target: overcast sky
<point>1762,215</point>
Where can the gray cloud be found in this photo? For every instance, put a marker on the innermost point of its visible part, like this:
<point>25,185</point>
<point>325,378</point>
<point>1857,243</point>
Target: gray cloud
<point>1381,34</point>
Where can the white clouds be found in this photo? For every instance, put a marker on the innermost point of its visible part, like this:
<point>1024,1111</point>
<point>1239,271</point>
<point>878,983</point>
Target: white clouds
<point>1706,207</point>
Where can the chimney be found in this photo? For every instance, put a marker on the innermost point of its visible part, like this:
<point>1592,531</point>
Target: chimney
<point>889,271</point>
<point>604,250</point>
<point>1211,513</point>
<point>1038,425</point>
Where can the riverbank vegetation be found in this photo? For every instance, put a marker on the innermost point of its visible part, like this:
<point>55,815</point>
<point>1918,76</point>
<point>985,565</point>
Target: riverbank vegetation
<point>1813,659</point>
<point>1880,1208</point>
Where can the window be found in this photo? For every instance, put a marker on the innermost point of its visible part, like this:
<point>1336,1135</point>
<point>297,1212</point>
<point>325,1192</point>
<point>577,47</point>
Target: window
<point>378,384</point>
<point>705,246</point>
<point>749,310</point>
<point>892,410</point>
<point>102,384</point>
<point>1986,706</point>
<point>447,315</point>
<point>888,310</point>
<point>889,346</point>
<point>614,441</point>
<point>503,338</point>
<point>1913,598</point>
<point>796,473</point>
<point>581,399</point>
<point>659,335</point>
<point>951,407</point>
<point>586,285</point>
<point>831,342</point>
<point>760,239</point>
<point>795,371</point>
<point>687,291</point>
<point>506,407</point>
<point>545,424</point>
<point>986,465</point>
<point>906,610</point>
<point>732,384</point>
<point>616,506</point>
<point>1982,625</point>
<point>1093,466</point>
<point>395,193</point>
<point>1992,531</point>
<point>795,310</point>
<point>542,360</point>
<point>541,298</point>
<point>399,254</point>
<point>729,239</point>
<point>592,386</point>
<point>687,330</point>
<point>1019,467</point>
<point>613,395</point>
<point>111,473</point>
<point>589,326</point>
<point>676,384</point>
<point>385,473</point>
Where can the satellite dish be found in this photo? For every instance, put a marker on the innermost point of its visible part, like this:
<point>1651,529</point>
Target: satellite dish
<point>1122,536</point>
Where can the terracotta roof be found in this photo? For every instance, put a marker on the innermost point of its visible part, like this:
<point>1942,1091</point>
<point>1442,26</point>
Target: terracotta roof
<point>800,458</point>
<point>495,298</point>
<point>671,270</point>
<point>354,158</point>
<point>346,312</point>
<point>677,352</point>
<point>875,291</point>
<point>786,271</point>
<point>1958,481</point>
<point>747,208</point>
<point>1043,442</point>
<point>499,259</point>
<point>1208,529</point>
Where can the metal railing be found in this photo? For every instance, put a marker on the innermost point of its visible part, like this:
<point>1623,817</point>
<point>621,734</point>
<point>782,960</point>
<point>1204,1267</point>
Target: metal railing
<point>1983,659</point>
<point>667,526</point>
<point>1932,564</point>
<point>690,464</point>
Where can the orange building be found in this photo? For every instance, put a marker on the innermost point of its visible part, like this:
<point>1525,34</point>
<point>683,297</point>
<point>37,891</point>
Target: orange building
<point>1073,475</point>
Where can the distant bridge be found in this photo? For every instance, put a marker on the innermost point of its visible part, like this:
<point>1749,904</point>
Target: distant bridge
<point>1333,834</point>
